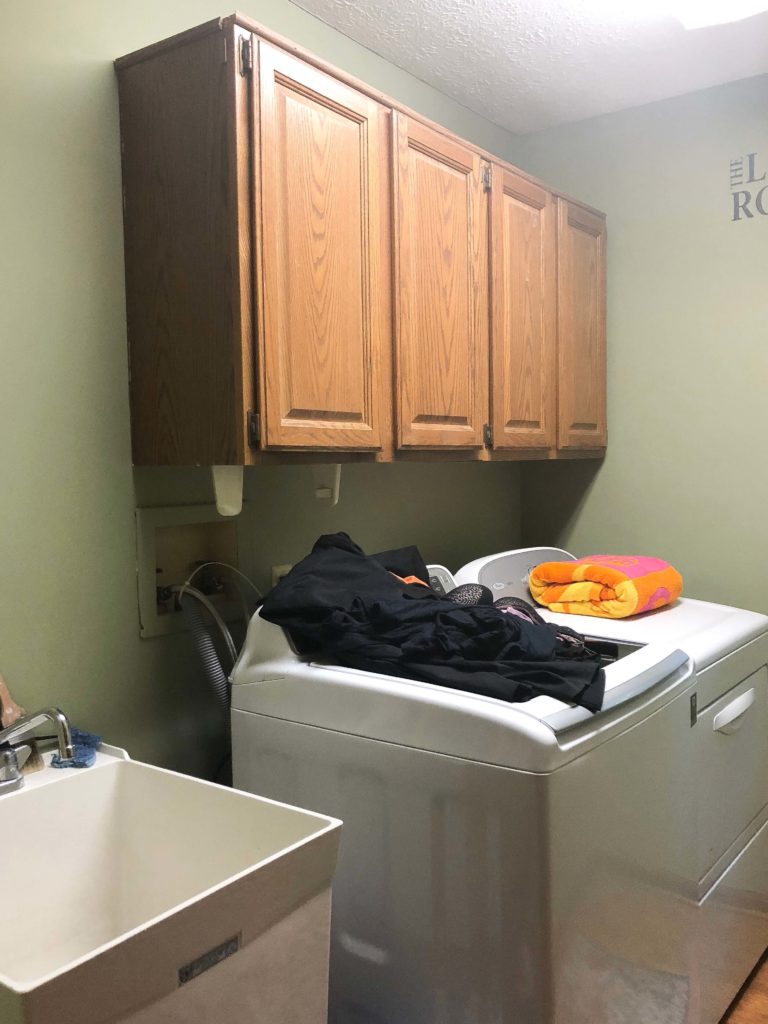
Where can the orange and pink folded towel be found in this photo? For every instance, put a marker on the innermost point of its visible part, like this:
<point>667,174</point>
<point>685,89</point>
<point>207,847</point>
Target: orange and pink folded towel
<point>612,586</point>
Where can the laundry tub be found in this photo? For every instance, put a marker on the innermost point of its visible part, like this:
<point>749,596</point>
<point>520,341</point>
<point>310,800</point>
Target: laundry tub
<point>134,894</point>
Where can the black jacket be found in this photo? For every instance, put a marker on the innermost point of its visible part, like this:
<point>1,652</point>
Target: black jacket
<point>349,608</point>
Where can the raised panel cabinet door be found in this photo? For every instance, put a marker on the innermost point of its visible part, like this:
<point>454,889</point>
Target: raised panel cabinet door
<point>581,328</point>
<point>323,279</point>
<point>441,290</point>
<point>523,313</point>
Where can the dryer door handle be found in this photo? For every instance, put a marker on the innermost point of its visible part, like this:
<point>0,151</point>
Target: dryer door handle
<point>732,716</point>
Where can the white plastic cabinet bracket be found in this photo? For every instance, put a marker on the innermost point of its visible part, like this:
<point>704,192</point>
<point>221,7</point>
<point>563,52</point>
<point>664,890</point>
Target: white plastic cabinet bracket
<point>327,482</point>
<point>228,488</point>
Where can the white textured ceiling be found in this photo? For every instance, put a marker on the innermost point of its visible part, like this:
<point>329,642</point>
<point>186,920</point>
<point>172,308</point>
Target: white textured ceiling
<point>531,64</point>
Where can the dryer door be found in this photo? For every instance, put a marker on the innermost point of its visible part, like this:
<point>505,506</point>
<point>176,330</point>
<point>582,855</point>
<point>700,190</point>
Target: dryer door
<point>732,771</point>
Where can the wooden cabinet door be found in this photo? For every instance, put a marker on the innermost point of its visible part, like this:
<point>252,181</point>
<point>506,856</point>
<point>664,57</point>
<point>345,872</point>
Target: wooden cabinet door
<point>441,290</point>
<point>581,328</point>
<point>323,278</point>
<point>523,313</point>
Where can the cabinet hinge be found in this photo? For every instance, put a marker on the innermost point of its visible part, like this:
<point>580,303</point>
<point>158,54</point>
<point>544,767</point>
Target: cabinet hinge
<point>487,178</point>
<point>246,55</point>
<point>254,429</point>
<point>487,435</point>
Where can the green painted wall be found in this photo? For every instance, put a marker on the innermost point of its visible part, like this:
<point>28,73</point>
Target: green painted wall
<point>68,612</point>
<point>685,475</point>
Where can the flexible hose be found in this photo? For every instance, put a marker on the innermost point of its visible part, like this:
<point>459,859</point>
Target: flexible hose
<point>209,607</point>
<point>203,641</point>
<point>201,630</point>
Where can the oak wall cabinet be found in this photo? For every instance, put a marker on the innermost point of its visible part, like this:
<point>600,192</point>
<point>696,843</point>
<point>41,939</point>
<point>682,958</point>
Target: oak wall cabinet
<point>314,271</point>
<point>523,314</point>
<point>257,252</point>
<point>441,290</point>
<point>323,239</point>
<point>185,120</point>
<point>581,328</point>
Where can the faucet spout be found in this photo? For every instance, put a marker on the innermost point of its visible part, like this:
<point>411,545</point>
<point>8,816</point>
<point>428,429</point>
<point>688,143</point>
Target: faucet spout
<point>23,726</point>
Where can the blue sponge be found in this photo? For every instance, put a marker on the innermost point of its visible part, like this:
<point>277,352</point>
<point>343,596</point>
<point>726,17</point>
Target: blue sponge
<point>85,745</point>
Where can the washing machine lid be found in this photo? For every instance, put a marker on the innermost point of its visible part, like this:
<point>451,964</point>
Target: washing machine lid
<point>706,631</point>
<point>538,735</point>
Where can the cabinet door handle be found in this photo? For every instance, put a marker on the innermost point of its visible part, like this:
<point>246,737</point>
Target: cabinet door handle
<point>730,718</point>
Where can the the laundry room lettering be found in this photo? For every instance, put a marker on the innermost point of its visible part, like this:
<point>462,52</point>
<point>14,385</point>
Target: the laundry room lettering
<point>749,187</point>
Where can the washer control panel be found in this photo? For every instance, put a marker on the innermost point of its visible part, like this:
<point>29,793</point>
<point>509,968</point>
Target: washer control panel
<point>440,579</point>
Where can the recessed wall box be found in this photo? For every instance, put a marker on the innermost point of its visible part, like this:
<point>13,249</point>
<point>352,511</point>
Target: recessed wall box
<point>171,543</point>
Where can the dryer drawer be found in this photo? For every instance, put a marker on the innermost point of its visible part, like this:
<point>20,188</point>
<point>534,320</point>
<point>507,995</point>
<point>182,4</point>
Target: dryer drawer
<point>732,752</point>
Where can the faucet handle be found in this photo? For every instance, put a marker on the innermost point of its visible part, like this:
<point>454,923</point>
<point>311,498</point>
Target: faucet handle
<point>9,760</point>
<point>10,770</point>
<point>23,753</point>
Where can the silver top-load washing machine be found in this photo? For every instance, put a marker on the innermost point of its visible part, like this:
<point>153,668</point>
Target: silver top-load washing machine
<point>532,863</point>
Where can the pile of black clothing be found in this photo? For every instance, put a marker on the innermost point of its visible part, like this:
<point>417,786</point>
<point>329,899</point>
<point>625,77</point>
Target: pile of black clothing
<point>369,612</point>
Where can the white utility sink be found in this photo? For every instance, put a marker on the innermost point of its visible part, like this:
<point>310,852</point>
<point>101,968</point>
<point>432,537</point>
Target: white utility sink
<point>135,894</point>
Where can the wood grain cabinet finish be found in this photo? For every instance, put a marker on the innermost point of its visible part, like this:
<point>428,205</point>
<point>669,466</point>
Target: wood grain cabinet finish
<point>441,290</point>
<point>312,268</point>
<point>581,328</point>
<point>523,313</point>
<point>257,227</point>
<point>323,226</point>
<point>186,184</point>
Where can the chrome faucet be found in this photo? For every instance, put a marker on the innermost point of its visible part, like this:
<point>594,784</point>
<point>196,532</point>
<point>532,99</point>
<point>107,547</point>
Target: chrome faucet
<point>10,770</point>
<point>23,726</point>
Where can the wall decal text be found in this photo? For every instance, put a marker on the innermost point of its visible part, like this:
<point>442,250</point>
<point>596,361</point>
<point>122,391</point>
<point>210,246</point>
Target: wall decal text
<point>749,187</point>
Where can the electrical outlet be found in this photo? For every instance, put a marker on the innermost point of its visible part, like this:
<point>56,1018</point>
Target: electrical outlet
<point>278,571</point>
